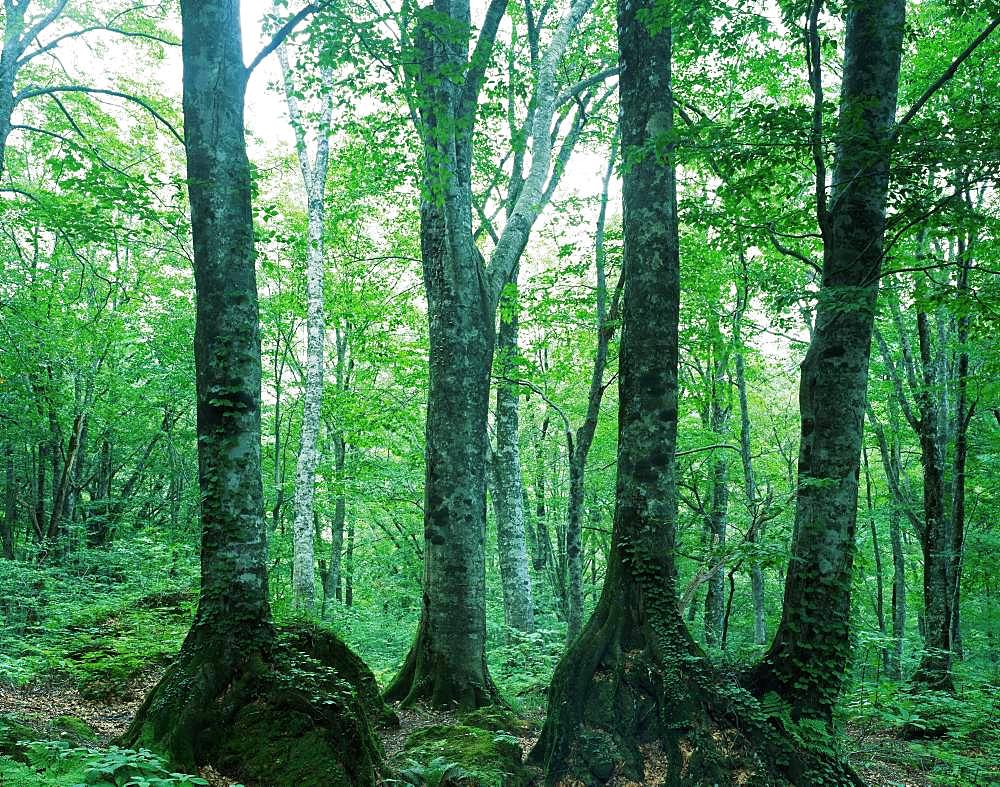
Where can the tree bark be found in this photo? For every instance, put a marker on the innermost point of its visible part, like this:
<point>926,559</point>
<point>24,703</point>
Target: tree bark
<point>314,174</point>
<point>9,526</point>
<point>806,661</point>
<point>508,498</point>
<point>634,691</point>
<point>578,447</point>
<point>447,662</point>
<point>223,700</point>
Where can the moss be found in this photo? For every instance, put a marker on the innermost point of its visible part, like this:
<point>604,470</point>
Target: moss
<point>491,759</point>
<point>497,719</point>
<point>13,730</point>
<point>292,711</point>
<point>74,728</point>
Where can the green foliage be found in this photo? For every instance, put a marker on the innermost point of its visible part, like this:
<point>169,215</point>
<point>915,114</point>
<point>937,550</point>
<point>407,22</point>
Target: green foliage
<point>110,767</point>
<point>436,773</point>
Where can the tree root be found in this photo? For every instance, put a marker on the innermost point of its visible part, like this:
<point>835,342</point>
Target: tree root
<point>298,709</point>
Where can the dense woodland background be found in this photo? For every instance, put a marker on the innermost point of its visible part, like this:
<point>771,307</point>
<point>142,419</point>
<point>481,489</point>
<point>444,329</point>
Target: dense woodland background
<point>101,529</point>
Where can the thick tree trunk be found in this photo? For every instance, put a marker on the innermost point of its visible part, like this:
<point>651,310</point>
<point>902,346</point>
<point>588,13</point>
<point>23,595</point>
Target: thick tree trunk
<point>633,695</point>
<point>508,499</point>
<point>806,661</point>
<point>447,663</point>
<point>224,700</point>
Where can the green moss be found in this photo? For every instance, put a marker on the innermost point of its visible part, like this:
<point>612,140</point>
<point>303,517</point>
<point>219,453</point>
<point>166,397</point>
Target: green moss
<point>74,728</point>
<point>295,712</point>
<point>496,718</point>
<point>491,758</point>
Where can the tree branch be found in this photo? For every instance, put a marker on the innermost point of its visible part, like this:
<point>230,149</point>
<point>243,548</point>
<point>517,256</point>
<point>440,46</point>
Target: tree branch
<point>47,91</point>
<point>949,72</point>
<point>280,35</point>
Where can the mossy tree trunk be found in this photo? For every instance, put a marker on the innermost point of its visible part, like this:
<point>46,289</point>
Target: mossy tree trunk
<point>234,681</point>
<point>806,661</point>
<point>447,662</point>
<point>633,691</point>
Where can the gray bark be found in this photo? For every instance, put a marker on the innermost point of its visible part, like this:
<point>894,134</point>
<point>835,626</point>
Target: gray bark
<point>578,447</point>
<point>508,497</point>
<point>447,662</point>
<point>8,527</point>
<point>806,661</point>
<point>750,488</point>
<point>234,602</point>
<point>314,174</point>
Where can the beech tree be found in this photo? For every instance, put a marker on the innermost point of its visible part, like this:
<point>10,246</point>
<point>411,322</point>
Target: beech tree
<point>229,669</point>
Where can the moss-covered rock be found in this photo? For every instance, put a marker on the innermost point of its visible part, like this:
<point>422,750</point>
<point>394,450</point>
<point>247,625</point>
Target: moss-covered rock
<point>73,728</point>
<point>487,758</point>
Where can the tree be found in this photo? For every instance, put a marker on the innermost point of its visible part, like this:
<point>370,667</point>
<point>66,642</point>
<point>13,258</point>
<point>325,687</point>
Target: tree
<point>314,173</point>
<point>447,662</point>
<point>223,700</point>
<point>635,652</point>
<point>806,661</point>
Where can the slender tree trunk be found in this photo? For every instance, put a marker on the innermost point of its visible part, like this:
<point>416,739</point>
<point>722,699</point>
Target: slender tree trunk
<point>895,663</point>
<point>578,448</point>
<point>9,526</point>
<point>750,489</point>
<point>334,583</point>
<point>349,566</point>
<point>42,463</point>
<point>877,554</point>
<point>314,174</point>
<point>715,600</point>
<point>508,499</point>
<point>806,661</point>
<point>963,416</point>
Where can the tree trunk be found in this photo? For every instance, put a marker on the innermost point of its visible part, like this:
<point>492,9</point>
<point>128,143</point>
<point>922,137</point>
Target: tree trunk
<point>314,174</point>
<point>508,500</point>
<point>963,416</point>
<point>447,663</point>
<point>894,668</point>
<point>634,691</point>
<point>806,661</point>
<point>934,670</point>
<point>750,489</point>
<point>349,566</point>
<point>339,518</point>
<point>223,700</point>
<point>578,449</point>
<point>8,528</point>
<point>715,600</point>
<point>877,554</point>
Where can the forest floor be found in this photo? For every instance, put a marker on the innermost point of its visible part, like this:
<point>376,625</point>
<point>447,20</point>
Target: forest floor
<point>880,755</point>
<point>76,662</point>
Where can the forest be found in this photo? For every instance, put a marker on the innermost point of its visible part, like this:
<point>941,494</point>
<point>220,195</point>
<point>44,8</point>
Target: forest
<point>499,393</point>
